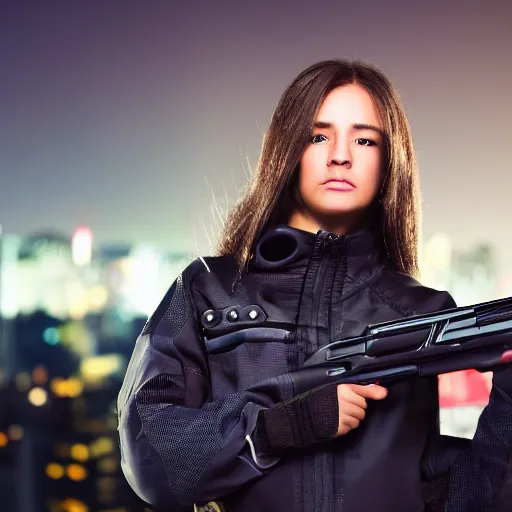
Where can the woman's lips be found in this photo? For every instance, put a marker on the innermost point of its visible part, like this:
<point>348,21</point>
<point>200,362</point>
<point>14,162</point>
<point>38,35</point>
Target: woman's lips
<point>339,185</point>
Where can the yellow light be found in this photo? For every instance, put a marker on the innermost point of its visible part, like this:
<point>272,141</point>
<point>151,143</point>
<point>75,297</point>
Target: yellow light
<point>102,446</point>
<point>73,505</point>
<point>97,296</point>
<point>54,471</point>
<point>78,309</point>
<point>37,396</point>
<point>74,387</point>
<point>76,472</point>
<point>3,439</point>
<point>15,432</point>
<point>80,452</point>
<point>71,387</point>
<point>57,386</point>
<point>96,368</point>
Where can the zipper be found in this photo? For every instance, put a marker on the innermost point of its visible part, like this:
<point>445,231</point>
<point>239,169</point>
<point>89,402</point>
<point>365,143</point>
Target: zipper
<point>319,287</point>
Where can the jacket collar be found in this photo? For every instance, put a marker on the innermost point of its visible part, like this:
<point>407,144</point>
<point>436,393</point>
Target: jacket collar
<point>284,247</point>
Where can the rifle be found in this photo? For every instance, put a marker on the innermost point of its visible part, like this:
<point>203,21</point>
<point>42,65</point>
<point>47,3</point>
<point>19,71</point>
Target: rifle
<point>471,337</point>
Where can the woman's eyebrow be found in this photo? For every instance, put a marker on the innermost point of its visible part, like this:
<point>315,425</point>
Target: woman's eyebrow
<point>322,124</point>
<point>355,126</point>
<point>360,126</point>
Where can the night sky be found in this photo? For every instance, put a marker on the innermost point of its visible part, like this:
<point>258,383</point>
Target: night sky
<point>128,115</point>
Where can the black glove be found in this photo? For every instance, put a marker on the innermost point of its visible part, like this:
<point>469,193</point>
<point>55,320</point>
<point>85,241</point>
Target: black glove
<point>311,417</point>
<point>502,379</point>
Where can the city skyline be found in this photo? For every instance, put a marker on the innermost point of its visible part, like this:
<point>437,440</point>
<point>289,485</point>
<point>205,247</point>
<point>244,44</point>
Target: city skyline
<point>127,118</point>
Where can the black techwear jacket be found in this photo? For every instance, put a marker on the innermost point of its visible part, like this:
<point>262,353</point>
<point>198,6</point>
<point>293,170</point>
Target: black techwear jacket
<point>187,419</point>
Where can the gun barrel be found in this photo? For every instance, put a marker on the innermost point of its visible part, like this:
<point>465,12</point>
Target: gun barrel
<point>484,359</point>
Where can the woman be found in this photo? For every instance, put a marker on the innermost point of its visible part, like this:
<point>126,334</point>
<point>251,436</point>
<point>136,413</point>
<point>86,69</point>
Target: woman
<point>323,243</point>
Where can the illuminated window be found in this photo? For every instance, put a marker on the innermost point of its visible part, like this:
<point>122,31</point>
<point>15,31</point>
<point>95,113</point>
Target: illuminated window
<point>76,472</point>
<point>74,505</point>
<point>102,446</point>
<point>54,471</point>
<point>80,452</point>
<point>15,432</point>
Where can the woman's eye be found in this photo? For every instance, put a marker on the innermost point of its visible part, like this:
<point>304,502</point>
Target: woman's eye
<point>315,139</point>
<point>366,142</point>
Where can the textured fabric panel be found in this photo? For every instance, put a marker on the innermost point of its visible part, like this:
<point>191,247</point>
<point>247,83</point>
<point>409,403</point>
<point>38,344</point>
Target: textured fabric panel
<point>162,390</point>
<point>248,364</point>
<point>132,371</point>
<point>172,319</point>
<point>176,314</point>
<point>477,476</point>
<point>436,493</point>
<point>186,439</point>
<point>290,280</point>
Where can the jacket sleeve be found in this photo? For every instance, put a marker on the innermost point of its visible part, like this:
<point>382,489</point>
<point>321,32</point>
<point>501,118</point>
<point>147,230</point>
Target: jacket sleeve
<point>178,446</point>
<point>478,473</point>
<point>470,473</point>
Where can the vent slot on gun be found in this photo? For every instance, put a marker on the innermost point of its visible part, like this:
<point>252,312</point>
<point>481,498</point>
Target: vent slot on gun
<point>398,343</point>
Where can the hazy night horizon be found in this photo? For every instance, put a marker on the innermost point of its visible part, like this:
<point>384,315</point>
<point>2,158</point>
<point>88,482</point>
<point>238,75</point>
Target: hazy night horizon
<point>123,117</point>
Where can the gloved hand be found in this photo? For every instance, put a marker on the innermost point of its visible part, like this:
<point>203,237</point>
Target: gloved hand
<point>305,419</point>
<point>502,375</point>
<point>502,379</point>
<point>316,416</point>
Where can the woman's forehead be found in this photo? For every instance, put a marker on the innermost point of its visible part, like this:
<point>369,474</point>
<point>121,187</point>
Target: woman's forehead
<point>348,104</point>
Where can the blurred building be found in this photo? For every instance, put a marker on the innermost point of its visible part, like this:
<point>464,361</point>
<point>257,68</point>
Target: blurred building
<point>471,277</point>
<point>70,313</point>
<point>68,278</point>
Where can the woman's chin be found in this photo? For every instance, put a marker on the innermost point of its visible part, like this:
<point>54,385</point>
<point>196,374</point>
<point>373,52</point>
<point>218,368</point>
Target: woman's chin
<point>337,213</point>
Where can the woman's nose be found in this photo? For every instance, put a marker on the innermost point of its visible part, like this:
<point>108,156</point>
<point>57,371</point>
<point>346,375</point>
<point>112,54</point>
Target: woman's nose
<point>340,154</point>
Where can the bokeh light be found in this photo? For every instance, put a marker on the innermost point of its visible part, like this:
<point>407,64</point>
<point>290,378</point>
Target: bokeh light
<point>76,472</point>
<point>37,396</point>
<point>54,471</point>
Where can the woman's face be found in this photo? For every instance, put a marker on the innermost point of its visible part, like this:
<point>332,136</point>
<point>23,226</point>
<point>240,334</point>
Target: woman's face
<point>341,169</point>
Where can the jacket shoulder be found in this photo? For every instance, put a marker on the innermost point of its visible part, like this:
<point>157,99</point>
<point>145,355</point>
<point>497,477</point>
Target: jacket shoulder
<point>179,299</point>
<point>215,264</point>
<point>408,295</point>
<point>206,264</point>
<point>218,269</point>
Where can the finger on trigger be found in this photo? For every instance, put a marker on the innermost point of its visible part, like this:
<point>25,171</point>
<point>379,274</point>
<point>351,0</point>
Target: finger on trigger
<point>347,394</point>
<point>372,391</point>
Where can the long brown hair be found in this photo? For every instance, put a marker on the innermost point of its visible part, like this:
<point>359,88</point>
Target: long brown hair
<point>272,193</point>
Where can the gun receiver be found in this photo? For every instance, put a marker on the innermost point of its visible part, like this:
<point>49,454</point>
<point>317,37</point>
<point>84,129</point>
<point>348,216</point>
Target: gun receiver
<point>456,339</point>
